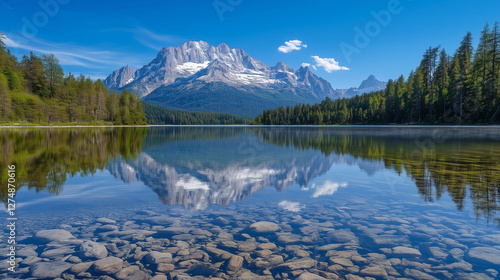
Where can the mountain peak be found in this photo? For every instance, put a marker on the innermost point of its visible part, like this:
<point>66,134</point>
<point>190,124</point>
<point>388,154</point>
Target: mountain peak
<point>199,68</point>
<point>224,48</point>
<point>371,82</point>
<point>283,67</point>
<point>120,78</point>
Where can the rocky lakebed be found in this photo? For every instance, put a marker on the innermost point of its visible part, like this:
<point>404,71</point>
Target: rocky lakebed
<point>252,243</point>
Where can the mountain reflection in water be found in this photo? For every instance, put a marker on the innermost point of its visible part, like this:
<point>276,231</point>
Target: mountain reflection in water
<point>200,166</point>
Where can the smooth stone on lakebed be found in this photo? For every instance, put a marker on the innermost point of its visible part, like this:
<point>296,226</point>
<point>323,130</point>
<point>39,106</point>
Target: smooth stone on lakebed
<point>342,261</point>
<point>267,246</point>
<point>56,253</point>
<point>93,250</point>
<point>106,221</point>
<point>485,254</point>
<point>218,254</point>
<point>53,235</point>
<point>310,276</point>
<point>234,263</point>
<point>406,251</point>
<point>299,264</point>
<point>342,236</point>
<point>175,230</point>
<point>81,267</point>
<point>48,270</point>
<point>139,275</point>
<point>107,228</point>
<point>159,277</point>
<point>108,265</point>
<point>264,227</point>
<point>158,257</point>
<point>374,271</point>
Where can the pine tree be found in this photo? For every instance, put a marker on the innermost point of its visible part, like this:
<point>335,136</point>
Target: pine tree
<point>400,98</point>
<point>409,97</point>
<point>33,75</point>
<point>5,101</point>
<point>124,102</point>
<point>419,91</point>
<point>455,85</point>
<point>53,73</point>
<point>100,108</point>
<point>443,82</point>
<point>493,78</point>
<point>390,95</point>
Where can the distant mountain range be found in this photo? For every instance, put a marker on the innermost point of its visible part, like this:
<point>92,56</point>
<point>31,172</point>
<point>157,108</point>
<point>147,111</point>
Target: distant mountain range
<point>199,77</point>
<point>369,85</point>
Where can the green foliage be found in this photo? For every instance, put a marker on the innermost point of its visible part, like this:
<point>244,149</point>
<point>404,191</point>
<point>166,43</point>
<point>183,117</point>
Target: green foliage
<point>442,90</point>
<point>36,91</point>
<point>44,159</point>
<point>158,115</point>
<point>460,168</point>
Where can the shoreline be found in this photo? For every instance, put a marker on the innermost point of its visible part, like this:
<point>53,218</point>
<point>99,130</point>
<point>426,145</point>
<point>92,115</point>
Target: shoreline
<point>68,126</point>
<point>242,125</point>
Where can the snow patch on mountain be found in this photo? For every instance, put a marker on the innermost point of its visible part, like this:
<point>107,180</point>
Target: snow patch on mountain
<point>190,68</point>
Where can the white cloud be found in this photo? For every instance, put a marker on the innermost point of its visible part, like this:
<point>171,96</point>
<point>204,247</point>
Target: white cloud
<point>314,67</point>
<point>328,188</point>
<point>149,38</point>
<point>306,65</point>
<point>292,45</point>
<point>329,64</point>
<point>93,61</point>
<point>68,54</point>
<point>291,206</point>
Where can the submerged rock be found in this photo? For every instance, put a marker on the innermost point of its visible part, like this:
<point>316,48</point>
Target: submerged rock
<point>417,274</point>
<point>106,221</point>
<point>81,267</point>
<point>247,275</point>
<point>342,236</point>
<point>53,235</point>
<point>485,254</point>
<point>218,254</point>
<point>93,250</point>
<point>109,265</point>
<point>299,264</point>
<point>310,276</point>
<point>264,227</point>
<point>234,263</point>
<point>406,251</point>
<point>158,257</point>
<point>57,253</point>
<point>374,271</point>
<point>48,270</point>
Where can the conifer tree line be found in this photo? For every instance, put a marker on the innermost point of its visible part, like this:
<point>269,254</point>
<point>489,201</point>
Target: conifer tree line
<point>463,88</point>
<point>35,90</point>
<point>158,115</point>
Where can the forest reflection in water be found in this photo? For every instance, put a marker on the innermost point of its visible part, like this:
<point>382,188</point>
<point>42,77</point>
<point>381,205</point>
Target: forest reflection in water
<point>460,161</point>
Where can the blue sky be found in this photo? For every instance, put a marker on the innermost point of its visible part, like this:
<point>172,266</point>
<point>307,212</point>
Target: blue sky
<point>96,37</point>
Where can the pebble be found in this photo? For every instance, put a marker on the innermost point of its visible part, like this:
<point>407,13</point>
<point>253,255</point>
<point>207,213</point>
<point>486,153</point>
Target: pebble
<point>264,227</point>
<point>109,265</point>
<point>53,235</point>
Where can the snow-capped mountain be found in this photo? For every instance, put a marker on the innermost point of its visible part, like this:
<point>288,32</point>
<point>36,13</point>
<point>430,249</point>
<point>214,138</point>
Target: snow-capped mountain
<point>371,84</point>
<point>201,70</point>
<point>120,78</point>
<point>201,62</point>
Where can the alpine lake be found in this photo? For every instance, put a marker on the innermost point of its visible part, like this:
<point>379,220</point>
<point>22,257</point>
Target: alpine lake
<point>251,203</point>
